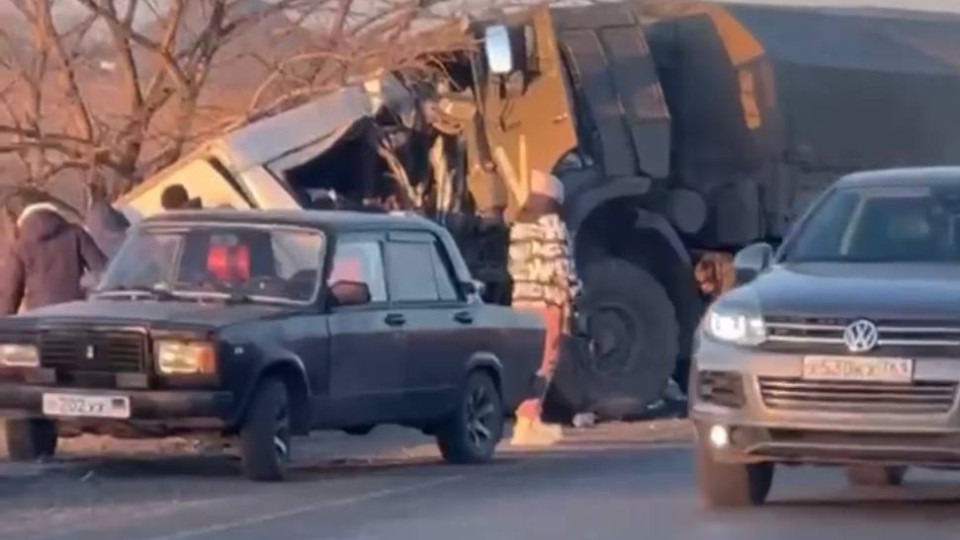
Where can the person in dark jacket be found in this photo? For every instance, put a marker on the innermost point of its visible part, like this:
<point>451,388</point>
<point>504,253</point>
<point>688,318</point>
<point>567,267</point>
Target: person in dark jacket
<point>47,261</point>
<point>107,225</point>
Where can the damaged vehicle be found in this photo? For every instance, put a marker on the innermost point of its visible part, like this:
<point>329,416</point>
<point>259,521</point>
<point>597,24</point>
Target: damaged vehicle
<point>253,327</point>
<point>682,132</point>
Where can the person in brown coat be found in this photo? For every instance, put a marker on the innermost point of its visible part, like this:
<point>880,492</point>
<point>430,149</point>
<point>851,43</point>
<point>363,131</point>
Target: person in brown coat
<point>47,260</point>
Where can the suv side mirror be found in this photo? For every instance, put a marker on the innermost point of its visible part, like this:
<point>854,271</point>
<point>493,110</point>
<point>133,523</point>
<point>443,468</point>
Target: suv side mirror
<point>349,293</point>
<point>750,261</point>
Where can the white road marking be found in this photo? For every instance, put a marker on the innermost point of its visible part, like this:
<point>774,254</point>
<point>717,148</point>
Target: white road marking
<point>263,518</point>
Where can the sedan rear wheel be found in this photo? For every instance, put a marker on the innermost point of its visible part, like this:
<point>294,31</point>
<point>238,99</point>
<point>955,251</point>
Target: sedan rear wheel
<point>473,430</point>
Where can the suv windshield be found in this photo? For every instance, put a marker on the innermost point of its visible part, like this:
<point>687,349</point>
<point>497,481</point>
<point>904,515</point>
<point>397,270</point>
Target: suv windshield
<point>228,261</point>
<point>881,224</point>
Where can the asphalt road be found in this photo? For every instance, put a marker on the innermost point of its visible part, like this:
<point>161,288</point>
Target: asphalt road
<point>609,483</point>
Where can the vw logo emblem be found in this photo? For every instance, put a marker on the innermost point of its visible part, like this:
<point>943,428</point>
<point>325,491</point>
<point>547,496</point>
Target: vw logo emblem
<point>860,336</point>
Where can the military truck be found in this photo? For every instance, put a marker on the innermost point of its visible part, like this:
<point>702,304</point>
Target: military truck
<point>682,131</point>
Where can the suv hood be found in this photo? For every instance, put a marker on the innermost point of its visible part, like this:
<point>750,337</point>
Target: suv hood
<point>150,313</point>
<point>850,290</point>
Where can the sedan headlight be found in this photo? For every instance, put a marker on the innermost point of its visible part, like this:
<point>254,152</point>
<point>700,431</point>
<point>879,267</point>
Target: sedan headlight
<point>738,326</point>
<point>185,358</point>
<point>14,355</point>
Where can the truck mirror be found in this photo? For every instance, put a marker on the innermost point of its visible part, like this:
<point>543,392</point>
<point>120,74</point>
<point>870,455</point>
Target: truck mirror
<point>498,49</point>
<point>750,261</point>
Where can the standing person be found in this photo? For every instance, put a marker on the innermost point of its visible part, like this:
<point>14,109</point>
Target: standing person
<point>544,282</point>
<point>176,197</point>
<point>107,225</point>
<point>48,259</point>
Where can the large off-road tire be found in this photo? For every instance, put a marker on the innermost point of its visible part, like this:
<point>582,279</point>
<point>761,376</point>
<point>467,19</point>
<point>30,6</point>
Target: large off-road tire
<point>633,335</point>
<point>31,439</point>
<point>726,485</point>
<point>875,475</point>
<point>265,437</point>
<point>471,433</point>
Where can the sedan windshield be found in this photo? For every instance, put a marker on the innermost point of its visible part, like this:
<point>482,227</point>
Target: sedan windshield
<point>239,262</point>
<point>881,224</point>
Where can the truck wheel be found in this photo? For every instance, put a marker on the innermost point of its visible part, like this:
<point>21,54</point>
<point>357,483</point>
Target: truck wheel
<point>875,476</point>
<point>731,485</point>
<point>473,430</point>
<point>265,436</point>
<point>31,439</point>
<point>634,338</point>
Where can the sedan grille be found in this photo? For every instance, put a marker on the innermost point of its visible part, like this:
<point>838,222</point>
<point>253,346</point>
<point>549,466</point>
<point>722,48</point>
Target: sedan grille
<point>890,398</point>
<point>93,351</point>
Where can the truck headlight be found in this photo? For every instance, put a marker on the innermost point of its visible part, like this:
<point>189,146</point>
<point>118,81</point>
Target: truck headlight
<point>185,357</point>
<point>738,326</point>
<point>15,355</point>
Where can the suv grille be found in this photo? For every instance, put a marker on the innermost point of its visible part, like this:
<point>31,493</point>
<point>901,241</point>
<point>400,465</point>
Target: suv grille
<point>93,351</point>
<point>894,398</point>
<point>815,335</point>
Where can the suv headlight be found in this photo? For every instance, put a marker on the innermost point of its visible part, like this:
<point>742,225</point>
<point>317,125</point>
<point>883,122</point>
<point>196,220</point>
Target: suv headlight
<point>18,355</point>
<point>735,325</point>
<point>185,357</point>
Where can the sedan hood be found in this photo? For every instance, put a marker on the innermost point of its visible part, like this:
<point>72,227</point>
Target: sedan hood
<point>150,313</point>
<point>879,291</point>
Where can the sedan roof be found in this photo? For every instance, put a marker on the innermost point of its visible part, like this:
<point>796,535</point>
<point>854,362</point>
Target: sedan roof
<point>320,219</point>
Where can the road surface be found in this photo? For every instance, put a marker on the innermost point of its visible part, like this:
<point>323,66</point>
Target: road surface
<point>608,483</point>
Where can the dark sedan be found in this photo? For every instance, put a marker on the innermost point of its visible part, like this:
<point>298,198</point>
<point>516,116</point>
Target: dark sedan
<point>843,347</point>
<point>264,325</point>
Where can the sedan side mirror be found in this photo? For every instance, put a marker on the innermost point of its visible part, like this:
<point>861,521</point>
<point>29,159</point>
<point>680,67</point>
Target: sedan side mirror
<point>474,287</point>
<point>349,293</point>
<point>750,261</point>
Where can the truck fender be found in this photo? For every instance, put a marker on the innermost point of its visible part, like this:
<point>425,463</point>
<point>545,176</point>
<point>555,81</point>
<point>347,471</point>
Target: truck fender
<point>583,203</point>
<point>648,220</point>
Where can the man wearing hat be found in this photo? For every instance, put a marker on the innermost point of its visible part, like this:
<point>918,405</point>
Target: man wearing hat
<point>544,281</point>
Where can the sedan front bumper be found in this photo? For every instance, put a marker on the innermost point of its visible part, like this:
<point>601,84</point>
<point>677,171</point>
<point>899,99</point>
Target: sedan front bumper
<point>172,409</point>
<point>776,415</point>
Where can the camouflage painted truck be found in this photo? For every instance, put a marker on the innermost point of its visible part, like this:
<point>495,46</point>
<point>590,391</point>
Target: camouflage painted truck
<point>682,132</point>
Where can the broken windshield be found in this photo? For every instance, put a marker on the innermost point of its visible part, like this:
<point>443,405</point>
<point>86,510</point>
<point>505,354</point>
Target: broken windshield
<point>231,262</point>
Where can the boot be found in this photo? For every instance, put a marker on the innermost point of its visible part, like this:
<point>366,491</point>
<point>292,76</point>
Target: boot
<point>532,432</point>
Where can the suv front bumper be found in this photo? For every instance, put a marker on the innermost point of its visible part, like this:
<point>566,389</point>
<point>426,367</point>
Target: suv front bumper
<point>828,430</point>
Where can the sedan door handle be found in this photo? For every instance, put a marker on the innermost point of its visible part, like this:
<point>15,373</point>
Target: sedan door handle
<point>463,317</point>
<point>395,319</point>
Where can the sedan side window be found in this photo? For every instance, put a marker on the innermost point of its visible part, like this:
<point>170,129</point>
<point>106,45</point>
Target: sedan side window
<point>359,261</point>
<point>410,272</point>
<point>446,285</point>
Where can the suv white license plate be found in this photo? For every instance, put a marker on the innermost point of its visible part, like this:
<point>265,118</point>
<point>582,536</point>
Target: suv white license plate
<point>86,406</point>
<point>845,368</point>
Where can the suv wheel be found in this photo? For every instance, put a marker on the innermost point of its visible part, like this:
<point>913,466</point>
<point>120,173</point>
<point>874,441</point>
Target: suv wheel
<point>30,439</point>
<point>872,475</point>
<point>729,485</point>
<point>265,436</point>
<point>473,430</point>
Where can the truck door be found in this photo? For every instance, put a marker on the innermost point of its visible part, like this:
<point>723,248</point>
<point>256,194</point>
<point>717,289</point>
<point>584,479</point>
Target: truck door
<point>533,127</point>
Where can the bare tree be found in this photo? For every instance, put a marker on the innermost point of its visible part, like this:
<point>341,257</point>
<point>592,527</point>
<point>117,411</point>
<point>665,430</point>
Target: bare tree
<point>127,86</point>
